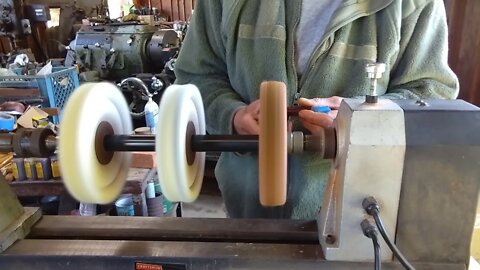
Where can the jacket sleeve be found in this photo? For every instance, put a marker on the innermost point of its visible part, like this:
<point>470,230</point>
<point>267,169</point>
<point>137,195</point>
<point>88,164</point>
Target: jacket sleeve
<point>202,62</point>
<point>421,70</point>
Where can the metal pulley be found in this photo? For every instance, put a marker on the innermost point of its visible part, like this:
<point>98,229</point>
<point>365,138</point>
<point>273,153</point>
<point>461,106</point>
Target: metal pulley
<point>36,142</point>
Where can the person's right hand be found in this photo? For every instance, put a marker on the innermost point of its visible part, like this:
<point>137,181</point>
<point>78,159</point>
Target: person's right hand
<point>315,122</point>
<point>246,119</point>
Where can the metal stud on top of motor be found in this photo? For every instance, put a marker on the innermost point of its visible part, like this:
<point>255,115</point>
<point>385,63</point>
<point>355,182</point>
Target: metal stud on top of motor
<point>374,72</point>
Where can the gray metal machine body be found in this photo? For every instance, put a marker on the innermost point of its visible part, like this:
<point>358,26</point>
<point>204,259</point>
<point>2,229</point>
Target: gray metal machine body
<point>441,180</point>
<point>420,159</point>
<point>116,52</point>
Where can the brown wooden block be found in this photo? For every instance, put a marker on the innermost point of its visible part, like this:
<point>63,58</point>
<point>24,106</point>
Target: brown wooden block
<point>51,111</point>
<point>145,160</point>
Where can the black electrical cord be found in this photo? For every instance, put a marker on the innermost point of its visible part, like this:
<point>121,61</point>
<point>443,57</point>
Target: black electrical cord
<point>376,249</point>
<point>370,231</point>
<point>370,205</point>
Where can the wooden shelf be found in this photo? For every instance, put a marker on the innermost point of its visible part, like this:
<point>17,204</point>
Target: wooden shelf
<point>37,188</point>
<point>135,185</point>
<point>56,187</point>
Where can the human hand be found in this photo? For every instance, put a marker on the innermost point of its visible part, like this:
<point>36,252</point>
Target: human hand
<point>246,119</point>
<point>314,121</point>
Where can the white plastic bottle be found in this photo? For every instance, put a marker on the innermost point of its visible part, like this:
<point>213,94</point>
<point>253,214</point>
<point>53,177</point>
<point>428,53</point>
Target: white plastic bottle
<point>151,115</point>
<point>87,209</point>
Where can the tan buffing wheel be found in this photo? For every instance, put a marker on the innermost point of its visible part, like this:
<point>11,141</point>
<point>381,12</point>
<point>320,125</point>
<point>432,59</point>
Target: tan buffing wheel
<point>91,174</point>
<point>273,144</point>
<point>180,115</point>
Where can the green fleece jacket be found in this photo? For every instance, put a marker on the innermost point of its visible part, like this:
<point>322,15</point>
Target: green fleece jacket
<point>234,45</point>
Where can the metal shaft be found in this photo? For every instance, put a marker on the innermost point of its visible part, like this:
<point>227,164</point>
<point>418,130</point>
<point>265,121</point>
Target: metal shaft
<point>44,144</point>
<point>324,144</point>
<point>224,143</point>
<point>199,143</point>
<point>127,143</point>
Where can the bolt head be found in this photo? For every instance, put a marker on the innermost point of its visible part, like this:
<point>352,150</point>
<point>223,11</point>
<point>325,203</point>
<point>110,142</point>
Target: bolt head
<point>421,103</point>
<point>375,70</point>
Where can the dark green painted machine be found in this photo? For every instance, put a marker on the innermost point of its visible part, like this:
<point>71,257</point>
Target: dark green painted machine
<point>117,51</point>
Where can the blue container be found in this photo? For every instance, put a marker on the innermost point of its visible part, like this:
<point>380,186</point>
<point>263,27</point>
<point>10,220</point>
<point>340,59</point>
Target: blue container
<point>124,206</point>
<point>55,87</point>
<point>7,122</point>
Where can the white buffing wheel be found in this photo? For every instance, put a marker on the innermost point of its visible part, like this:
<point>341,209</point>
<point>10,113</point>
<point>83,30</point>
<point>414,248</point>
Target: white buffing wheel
<point>88,179</point>
<point>179,179</point>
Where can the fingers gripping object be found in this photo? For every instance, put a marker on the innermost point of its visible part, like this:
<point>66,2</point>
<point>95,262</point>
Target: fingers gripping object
<point>90,173</point>
<point>180,170</point>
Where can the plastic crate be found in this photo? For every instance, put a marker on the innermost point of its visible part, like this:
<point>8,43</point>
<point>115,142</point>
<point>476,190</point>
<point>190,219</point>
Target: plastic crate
<point>56,87</point>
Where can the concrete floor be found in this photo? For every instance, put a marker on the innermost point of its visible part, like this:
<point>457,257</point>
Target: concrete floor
<point>206,206</point>
<point>209,204</point>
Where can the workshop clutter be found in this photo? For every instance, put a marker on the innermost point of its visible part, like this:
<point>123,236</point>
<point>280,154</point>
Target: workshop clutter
<point>124,205</point>
<point>6,166</point>
<point>31,160</point>
<point>157,204</point>
<point>141,196</point>
<point>7,122</point>
<point>55,87</point>
<point>35,169</point>
<point>32,98</point>
<point>167,205</point>
<point>27,158</point>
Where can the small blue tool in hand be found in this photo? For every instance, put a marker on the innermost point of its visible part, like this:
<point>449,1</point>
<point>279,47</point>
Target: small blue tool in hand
<point>321,109</point>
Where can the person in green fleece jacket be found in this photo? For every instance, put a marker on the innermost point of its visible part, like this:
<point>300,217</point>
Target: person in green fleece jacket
<point>319,49</point>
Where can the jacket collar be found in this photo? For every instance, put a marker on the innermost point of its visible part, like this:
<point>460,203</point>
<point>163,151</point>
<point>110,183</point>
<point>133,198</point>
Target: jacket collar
<point>350,10</point>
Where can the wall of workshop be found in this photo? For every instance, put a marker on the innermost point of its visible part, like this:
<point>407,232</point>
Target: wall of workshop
<point>464,56</point>
<point>87,5</point>
<point>174,9</point>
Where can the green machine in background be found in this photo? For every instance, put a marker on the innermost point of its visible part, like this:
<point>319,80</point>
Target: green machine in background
<point>117,51</point>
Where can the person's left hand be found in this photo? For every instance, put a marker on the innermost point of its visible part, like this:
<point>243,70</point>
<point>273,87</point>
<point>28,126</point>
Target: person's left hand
<point>315,121</point>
